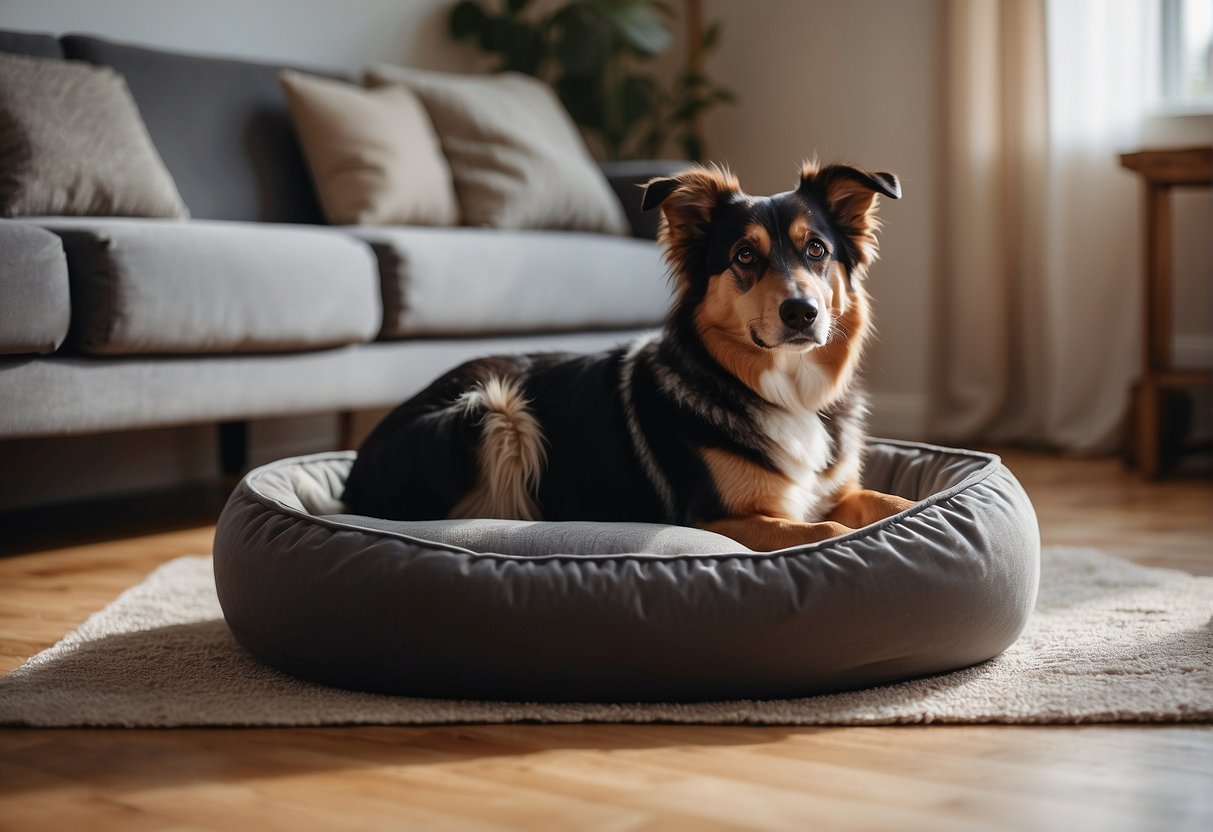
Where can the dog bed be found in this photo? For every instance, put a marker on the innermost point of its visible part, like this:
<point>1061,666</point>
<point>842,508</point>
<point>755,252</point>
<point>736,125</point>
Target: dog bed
<point>492,609</point>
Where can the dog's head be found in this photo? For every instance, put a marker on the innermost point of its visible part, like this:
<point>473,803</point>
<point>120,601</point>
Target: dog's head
<point>776,270</point>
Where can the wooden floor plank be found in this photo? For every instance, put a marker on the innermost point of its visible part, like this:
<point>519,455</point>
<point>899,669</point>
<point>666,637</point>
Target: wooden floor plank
<point>602,777</point>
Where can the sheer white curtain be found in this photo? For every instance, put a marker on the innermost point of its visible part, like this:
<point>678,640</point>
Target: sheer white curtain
<point>1039,284</point>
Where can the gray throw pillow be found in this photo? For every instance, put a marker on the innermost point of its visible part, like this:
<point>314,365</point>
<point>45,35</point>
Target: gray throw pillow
<point>516,155</point>
<point>72,143</point>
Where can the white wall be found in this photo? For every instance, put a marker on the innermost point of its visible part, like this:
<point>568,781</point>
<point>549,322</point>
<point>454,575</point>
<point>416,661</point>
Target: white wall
<point>338,34</point>
<point>858,81</point>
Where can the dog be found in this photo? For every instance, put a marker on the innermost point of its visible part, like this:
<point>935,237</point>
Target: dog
<point>744,415</point>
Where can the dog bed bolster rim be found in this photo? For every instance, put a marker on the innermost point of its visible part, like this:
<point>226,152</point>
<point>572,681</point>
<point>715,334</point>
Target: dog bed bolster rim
<point>993,464</point>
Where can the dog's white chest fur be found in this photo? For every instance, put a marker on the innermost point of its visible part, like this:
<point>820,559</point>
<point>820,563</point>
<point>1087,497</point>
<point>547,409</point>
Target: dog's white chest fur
<point>801,445</point>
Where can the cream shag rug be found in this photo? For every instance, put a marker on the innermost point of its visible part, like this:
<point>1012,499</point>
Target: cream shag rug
<point>1110,642</point>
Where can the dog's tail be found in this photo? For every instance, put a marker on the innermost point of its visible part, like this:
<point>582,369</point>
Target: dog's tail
<point>510,454</point>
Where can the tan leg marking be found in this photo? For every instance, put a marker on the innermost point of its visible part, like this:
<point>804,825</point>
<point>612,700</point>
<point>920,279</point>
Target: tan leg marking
<point>863,507</point>
<point>746,489</point>
<point>765,534</point>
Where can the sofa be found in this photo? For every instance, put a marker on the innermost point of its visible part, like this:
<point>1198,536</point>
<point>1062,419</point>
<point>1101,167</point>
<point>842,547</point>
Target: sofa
<point>254,307</point>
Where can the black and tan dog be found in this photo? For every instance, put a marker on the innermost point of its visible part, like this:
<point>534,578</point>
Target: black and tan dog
<point>743,416</point>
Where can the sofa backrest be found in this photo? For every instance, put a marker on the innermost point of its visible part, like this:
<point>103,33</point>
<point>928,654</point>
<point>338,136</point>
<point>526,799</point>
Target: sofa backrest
<point>30,43</point>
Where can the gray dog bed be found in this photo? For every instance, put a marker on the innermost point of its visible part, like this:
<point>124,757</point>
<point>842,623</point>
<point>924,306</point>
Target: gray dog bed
<point>492,609</point>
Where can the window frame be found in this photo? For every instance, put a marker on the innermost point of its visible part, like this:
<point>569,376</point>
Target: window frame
<point>1170,98</point>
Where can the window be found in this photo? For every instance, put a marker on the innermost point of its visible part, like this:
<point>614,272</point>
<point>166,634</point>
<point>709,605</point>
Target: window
<point>1187,55</point>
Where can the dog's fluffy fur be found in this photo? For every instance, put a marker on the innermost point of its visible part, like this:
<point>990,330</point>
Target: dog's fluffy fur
<point>744,415</point>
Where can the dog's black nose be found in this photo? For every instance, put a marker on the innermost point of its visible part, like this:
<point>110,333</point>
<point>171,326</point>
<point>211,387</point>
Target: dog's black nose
<point>798,313</point>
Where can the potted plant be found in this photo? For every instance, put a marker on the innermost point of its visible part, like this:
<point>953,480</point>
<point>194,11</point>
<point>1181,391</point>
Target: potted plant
<point>598,55</point>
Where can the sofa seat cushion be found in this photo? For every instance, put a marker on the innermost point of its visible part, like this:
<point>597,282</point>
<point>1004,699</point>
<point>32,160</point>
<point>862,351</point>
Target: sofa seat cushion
<point>147,286</point>
<point>34,302</point>
<point>455,281</point>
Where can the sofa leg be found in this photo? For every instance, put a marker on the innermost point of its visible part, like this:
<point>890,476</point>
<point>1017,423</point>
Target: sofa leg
<point>345,430</point>
<point>233,447</point>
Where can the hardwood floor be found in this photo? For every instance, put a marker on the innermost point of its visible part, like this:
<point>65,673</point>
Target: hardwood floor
<point>608,777</point>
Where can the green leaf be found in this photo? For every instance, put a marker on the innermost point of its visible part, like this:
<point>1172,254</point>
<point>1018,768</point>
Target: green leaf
<point>515,6</point>
<point>583,43</point>
<point>637,98</point>
<point>711,37</point>
<point>523,47</point>
<point>665,8</point>
<point>467,18</point>
<point>583,98</point>
<point>651,146</point>
<point>692,147</point>
<point>561,15</point>
<point>689,109</point>
<point>635,22</point>
<point>493,34</point>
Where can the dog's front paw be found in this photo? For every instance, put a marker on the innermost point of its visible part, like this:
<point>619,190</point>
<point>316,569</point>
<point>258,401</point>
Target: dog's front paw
<point>765,534</point>
<point>864,507</point>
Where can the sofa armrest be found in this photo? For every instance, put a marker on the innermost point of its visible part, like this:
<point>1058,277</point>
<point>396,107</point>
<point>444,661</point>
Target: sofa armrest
<point>35,299</point>
<point>627,177</point>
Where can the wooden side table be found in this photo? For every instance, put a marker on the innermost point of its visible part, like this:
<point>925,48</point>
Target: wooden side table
<point>1161,170</point>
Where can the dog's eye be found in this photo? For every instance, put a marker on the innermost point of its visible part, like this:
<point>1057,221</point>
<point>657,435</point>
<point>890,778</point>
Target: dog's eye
<point>745,256</point>
<point>817,250</point>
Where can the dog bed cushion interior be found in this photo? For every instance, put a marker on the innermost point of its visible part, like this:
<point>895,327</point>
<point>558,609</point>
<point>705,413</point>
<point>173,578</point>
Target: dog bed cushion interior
<point>494,609</point>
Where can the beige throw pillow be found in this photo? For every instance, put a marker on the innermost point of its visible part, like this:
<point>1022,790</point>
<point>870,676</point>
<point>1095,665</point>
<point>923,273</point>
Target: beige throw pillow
<point>517,157</point>
<point>72,142</point>
<point>374,155</point>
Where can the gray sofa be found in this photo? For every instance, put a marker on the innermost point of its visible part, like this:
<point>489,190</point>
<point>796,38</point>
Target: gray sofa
<point>253,308</point>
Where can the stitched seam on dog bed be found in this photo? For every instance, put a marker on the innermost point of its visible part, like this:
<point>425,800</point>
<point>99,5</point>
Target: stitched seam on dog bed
<point>994,464</point>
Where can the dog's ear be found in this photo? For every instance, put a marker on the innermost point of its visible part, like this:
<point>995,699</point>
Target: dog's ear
<point>850,192</point>
<point>687,200</point>
<point>691,194</point>
<point>656,190</point>
<point>873,182</point>
<point>852,196</point>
